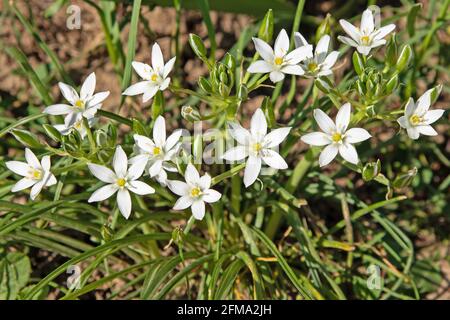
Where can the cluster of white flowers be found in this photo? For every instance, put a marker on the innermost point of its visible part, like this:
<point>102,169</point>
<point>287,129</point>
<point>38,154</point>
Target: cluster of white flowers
<point>157,155</point>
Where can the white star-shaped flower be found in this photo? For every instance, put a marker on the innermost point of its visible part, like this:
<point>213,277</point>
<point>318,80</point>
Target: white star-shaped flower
<point>366,37</point>
<point>159,152</point>
<point>278,61</point>
<point>36,174</point>
<point>74,121</point>
<point>321,62</point>
<point>257,145</point>
<point>122,180</point>
<point>417,118</point>
<point>336,137</point>
<point>154,78</point>
<point>85,104</point>
<point>194,192</point>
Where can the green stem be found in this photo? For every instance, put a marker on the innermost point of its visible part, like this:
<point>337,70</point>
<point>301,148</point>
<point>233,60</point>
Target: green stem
<point>90,136</point>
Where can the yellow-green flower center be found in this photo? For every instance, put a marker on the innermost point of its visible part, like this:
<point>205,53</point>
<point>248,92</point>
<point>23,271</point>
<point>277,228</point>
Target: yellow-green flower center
<point>336,137</point>
<point>415,119</point>
<point>154,77</point>
<point>156,151</point>
<point>312,66</point>
<point>121,182</point>
<point>36,174</point>
<point>257,147</point>
<point>365,40</point>
<point>79,104</point>
<point>278,61</point>
<point>77,125</point>
<point>195,192</point>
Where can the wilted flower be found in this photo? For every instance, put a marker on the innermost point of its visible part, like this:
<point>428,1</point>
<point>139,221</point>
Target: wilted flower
<point>158,153</point>
<point>122,180</point>
<point>257,145</point>
<point>278,61</point>
<point>366,36</point>
<point>417,118</point>
<point>321,62</point>
<point>336,137</point>
<point>36,174</point>
<point>194,192</point>
<point>155,77</point>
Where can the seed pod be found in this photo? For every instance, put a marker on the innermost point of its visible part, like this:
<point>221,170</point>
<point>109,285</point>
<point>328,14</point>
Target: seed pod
<point>229,61</point>
<point>204,84</point>
<point>404,58</point>
<point>358,63</point>
<point>266,29</point>
<point>371,170</point>
<point>52,132</point>
<point>392,84</point>
<point>324,28</point>
<point>242,93</point>
<point>197,46</point>
<point>404,180</point>
<point>190,113</point>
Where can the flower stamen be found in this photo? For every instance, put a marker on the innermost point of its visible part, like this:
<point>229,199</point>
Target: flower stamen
<point>121,182</point>
<point>156,151</point>
<point>154,77</point>
<point>195,192</point>
<point>415,120</point>
<point>257,147</point>
<point>365,40</point>
<point>336,137</point>
<point>278,61</point>
<point>79,104</point>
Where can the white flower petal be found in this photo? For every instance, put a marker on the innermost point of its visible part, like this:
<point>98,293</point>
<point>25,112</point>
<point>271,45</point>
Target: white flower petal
<point>367,22</point>
<point>410,108</point>
<point>205,182</point>
<point>142,69</point>
<point>149,93</point>
<point>102,173</point>
<point>240,134</point>
<point>348,41</point>
<point>364,50</point>
<point>403,122</point>
<point>258,124</point>
<point>211,196</point>
<point>32,159</point>
<point>178,187</point>
<point>168,67</point>
<point>143,142</point>
<point>275,137</point>
<point>136,169</point>
<point>316,139</point>
<point>293,69</point>
<point>377,43</point>
<point>155,168</point>
<point>413,133</point>
<point>58,109</point>
<point>191,174</point>
<point>351,30</point>
<point>273,159</point>
<point>98,98</point>
<point>18,167</point>
<point>103,193</point>
<point>198,209</point>
<point>157,58</point>
<point>183,203</point>
<point>384,31</point>
<point>299,40</point>
<point>236,153</point>
<point>423,103</point>
<point>120,162</point>
<point>36,189</point>
<point>124,202</point>
<point>427,130</point>
<point>23,183</point>
<point>159,131</point>
<point>88,87</point>
<point>51,181</point>
<point>276,76</point>
<point>330,60</point>
<point>281,45</point>
<point>299,54</point>
<point>138,88</point>
<point>343,117</point>
<point>172,140</point>
<point>140,188</point>
<point>355,135</point>
<point>348,152</point>
<point>264,50</point>
<point>433,115</point>
<point>324,121</point>
<point>260,66</point>
<point>322,48</point>
<point>252,169</point>
<point>328,154</point>
<point>68,92</point>
<point>163,86</point>
<point>45,163</point>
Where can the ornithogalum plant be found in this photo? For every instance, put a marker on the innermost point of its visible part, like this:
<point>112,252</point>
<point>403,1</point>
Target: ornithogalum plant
<point>204,195</point>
